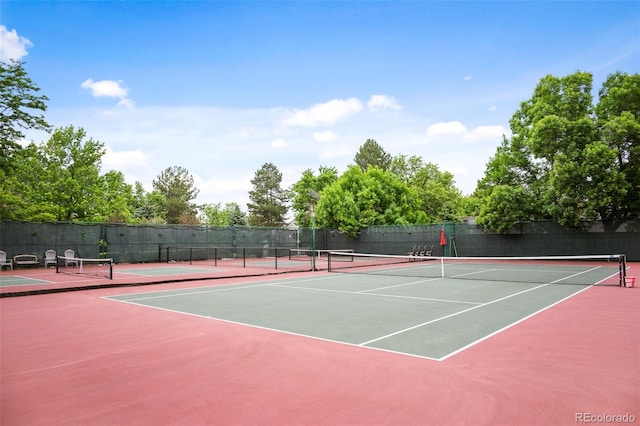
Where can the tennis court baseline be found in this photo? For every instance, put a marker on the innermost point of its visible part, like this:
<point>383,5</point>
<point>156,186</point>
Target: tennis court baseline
<point>432,318</point>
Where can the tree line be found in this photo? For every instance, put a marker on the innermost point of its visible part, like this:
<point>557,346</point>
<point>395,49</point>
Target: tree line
<point>568,159</point>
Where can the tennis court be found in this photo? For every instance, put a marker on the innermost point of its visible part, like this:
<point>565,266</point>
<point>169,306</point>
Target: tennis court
<point>536,343</point>
<point>432,318</point>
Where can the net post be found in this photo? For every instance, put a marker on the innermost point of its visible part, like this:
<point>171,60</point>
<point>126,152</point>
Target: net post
<point>622,262</point>
<point>442,267</point>
<point>329,262</point>
<point>276,257</point>
<point>244,257</point>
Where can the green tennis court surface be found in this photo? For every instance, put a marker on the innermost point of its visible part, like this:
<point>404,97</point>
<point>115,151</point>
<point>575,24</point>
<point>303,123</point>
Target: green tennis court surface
<point>14,280</point>
<point>426,317</point>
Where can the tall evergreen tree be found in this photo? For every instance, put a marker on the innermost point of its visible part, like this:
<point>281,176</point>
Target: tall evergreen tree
<point>371,153</point>
<point>268,205</point>
<point>178,188</point>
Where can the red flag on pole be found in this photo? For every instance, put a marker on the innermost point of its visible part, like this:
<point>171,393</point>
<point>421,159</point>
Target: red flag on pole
<point>443,238</point>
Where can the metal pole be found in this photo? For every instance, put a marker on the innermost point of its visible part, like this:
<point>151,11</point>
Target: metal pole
<point>313,240</point>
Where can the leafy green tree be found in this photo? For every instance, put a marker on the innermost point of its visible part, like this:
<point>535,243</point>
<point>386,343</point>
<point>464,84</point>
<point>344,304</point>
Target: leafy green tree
<point>117,204</point>
<point>177,187</point>
<point>618,120</point>
<point>505,207</point>
<point>268,205</point>
<point>406,167</point>
<point>24,197</point>
<point>439,198</point>
<point>19,103</point>
<point>371,153</point>
<point>212,214</point>
<point>306,192</point>
<point>364,198</point>
<point>229,215</point>
<point>70,177</point>
<point>564,161</point>
<point>148,207</point>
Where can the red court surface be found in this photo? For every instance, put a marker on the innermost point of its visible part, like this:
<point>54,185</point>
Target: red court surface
<point>74,358</point>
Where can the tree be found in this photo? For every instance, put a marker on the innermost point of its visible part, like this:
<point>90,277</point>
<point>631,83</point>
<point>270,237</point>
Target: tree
<point>268,200</point>
<point>364,198</point>
<point>212,214</point>
<point>18,98</point>
<point>618,120</point>
<point>235,215</point>
<point>148,207</point>
<point>70,177</point>
<point>22,196</point>
<point>372,154</point>
<point>438,197</point>
<point>215,214</point>
<point>177,187</point>
<point>567,160</point>
<point>304,192</point>
<point>19,102</point>
<point>117,204</point>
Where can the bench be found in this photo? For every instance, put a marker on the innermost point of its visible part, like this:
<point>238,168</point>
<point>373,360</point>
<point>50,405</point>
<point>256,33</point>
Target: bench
<point>25,260</point>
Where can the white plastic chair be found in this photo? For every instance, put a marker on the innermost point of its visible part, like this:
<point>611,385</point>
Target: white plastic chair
<point>49,258</point>
<point>69,254</point>
<point>4,262</point>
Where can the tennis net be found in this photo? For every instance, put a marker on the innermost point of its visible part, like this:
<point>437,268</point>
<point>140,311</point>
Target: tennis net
<point>577,270</point>
<point>306,253</point>
<point>99,268</point>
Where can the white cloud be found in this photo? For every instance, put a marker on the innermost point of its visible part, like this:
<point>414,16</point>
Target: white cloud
<point>467,77</point>
<point>326,136</point>
<point>493,108</point>
<point>12,46</point>
<point>117,160</point>
<point>487,133</point>
<point>329,112</point>
<point>446,128</point>
<point>109,89</point>
<point>381,102</point>
<point>455,131</point>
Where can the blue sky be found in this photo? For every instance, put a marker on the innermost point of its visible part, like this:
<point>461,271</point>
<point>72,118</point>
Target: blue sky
<point>221,88</point>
